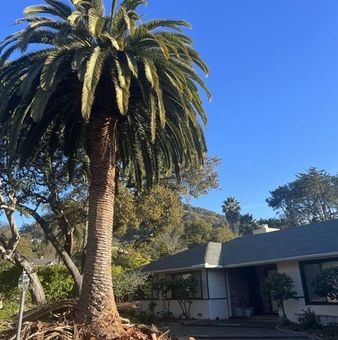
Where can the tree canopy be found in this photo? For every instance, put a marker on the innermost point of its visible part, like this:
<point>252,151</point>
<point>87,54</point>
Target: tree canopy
<point>311,197</point>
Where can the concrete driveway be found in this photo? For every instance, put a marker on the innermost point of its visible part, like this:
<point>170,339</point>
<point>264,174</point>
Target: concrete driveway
<point>228,331</point>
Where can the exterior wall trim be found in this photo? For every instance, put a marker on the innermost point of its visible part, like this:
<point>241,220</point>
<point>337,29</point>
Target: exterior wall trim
<point>284,259</point>
<point>178,270</point>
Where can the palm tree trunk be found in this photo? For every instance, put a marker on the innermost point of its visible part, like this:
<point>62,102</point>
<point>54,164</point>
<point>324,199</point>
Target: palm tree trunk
<point>97,307</point>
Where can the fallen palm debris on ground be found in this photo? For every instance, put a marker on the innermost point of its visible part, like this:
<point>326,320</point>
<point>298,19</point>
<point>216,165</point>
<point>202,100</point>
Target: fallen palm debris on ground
<point>55,321</point>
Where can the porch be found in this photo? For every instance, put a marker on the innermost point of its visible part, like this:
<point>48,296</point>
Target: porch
<point>246,297</point>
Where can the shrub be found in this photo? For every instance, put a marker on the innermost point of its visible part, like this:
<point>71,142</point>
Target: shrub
<point>9,276</point>
<point>280,286</point>
<point>127,283</point>
<point>10,294</point>
<point>56,281</point>
<point>309,320</point>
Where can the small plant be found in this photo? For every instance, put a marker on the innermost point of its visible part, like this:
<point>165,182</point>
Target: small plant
<point>280,287</point>
<point>309,320</point>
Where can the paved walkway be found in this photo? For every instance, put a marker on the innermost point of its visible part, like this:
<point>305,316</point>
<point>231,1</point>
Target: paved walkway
<point>230,331</point>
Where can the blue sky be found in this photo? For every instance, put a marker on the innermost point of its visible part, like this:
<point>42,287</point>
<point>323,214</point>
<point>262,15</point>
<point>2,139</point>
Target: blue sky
<point>274,80</point>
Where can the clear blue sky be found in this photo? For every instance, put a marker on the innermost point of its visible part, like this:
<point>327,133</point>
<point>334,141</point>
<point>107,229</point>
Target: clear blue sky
<point>274,79</point>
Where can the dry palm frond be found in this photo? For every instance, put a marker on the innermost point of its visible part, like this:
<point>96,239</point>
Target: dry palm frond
<point>55,321</point>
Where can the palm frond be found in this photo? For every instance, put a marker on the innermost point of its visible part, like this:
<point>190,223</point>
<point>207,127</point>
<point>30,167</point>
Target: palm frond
<point>92,76</point>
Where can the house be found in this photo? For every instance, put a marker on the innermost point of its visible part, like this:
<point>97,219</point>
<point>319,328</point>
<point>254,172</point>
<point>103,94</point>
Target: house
<point>230,274</point>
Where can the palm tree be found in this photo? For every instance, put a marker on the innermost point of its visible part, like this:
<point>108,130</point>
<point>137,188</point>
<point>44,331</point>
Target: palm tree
<point>246,224</point>
<point>232,212</point>
<point>125,91</point>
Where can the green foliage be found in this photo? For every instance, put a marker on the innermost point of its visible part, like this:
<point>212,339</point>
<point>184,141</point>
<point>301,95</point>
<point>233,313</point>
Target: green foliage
<point>9,310</point>
<point>159,209</point>
<point>197,232</point>
<point>202,225</point>
<point>246,225</point>
<point>309,320</point>
<point>126,283</point>
<point>9,276</point>
<point>56,281</point>
<point>232,211</point>
<point>184,289</point>
<point>141,73</point>
<point>273,222</point>
<point>132,258</point>
<point>223,234</point>
<point>311,197</point>
<point>209,216</point>
<point>199,179</point>
<point>325,284</point>
<point>25,249</point>
<point>280,286</point>
<point>9,292</point>
<point>40,245</point>
<point>125,211</point>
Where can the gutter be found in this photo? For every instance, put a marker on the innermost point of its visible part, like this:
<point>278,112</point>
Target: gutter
<point>284,259</point>
<point>244,264</point>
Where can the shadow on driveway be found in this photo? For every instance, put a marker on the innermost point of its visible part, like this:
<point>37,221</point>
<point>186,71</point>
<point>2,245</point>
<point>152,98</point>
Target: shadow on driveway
<point>229,330</point>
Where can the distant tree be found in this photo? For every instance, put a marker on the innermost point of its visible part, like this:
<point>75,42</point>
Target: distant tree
<point>222,233</point>
<point>125,210</point>
<point>199,179</point>
<point>246,225</point>
<point>325,284</point>
<point>169,242</point>
<point>232,211</point>
<point>158,209</point>
<point>273,222</point>
<point>280,286</point>
<point>197,232</point>
<point>312,197</point>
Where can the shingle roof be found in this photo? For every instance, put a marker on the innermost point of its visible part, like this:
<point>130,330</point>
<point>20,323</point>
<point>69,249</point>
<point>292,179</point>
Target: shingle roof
<point>297,242</point>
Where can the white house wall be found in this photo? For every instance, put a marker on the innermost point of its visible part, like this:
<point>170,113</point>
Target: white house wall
<point>213,304</point>
<point>328,313</point>
<point>216,284</point>
<point>218,302</point>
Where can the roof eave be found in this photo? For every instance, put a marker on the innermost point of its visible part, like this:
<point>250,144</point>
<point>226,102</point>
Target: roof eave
<point>284,259</point>
<point>181,269</point>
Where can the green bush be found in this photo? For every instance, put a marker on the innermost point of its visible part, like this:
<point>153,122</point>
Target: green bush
<point>9,291</point>
<point>126,283</point>
<point>280,286</point>
<point>9,276</point>
<point>9,310</point>
<point>56,281</point>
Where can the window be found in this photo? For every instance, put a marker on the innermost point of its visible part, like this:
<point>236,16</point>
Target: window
<point>148,291</point>
<point>309,270</point>
<point>196,294</point>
